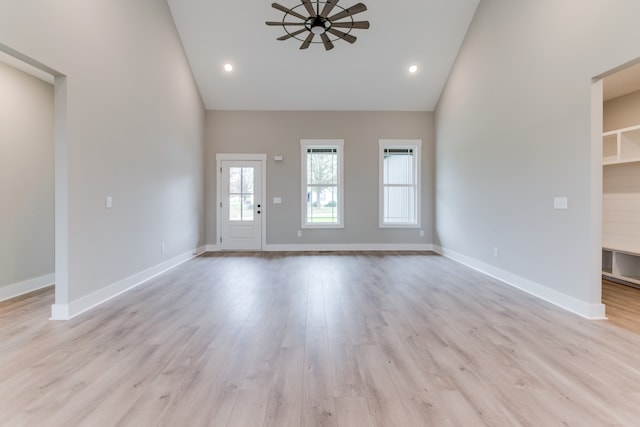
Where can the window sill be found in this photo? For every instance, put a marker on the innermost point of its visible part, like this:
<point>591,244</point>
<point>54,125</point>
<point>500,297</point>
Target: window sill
<point>399,226</point>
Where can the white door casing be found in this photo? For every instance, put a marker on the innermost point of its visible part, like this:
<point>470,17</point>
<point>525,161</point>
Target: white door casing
<point>240,200</point>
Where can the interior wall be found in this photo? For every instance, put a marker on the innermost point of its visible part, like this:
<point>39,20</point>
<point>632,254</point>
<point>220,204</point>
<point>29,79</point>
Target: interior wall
<point>621,112</point>
<point>514,131</point>
<point>135,126</point>
<point>26,178</point>
<point>279,133</point>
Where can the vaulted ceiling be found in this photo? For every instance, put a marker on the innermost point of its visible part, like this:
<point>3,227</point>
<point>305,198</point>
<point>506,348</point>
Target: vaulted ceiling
<point>371,74</point>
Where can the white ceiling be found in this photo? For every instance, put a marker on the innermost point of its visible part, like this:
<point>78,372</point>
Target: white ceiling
<point>371,74</point>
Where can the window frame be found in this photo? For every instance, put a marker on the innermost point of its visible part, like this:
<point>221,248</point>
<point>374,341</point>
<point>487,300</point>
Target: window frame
<point>413,144</point>
<point>337,144</point>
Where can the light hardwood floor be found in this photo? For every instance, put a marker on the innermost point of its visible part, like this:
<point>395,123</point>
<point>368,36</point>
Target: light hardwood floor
<point>623,305</point>
<point>284,339</point>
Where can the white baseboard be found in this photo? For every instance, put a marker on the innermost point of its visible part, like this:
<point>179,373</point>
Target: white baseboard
<point>349,247</point>
<point>26,286</point>
<point>74,308</point>
<point>567,302</point>
<point>211,248</point>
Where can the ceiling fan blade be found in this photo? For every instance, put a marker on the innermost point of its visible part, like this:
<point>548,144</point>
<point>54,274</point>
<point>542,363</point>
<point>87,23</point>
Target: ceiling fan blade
<point>295,33</point>
<point>309,6</point>
<point>356,8</point>
<point>344,36</point>
<point>307,42</point>
<point>325,40</point>
<point>357,24</point>
<point>328,7</point>
<point>283,23</point>
<point>289,11</point>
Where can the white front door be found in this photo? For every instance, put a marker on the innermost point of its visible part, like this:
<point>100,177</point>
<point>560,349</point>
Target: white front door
<point>241,205</point>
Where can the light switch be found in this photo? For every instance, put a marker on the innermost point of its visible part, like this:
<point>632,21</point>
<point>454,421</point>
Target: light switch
<point>278,158</point>
<point>277,200</point>
<point>108,202</point>
<point>560,203</point>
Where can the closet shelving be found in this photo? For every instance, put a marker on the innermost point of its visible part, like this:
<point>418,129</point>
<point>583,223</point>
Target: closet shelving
<point>620,265</point>
<point>621,146</point>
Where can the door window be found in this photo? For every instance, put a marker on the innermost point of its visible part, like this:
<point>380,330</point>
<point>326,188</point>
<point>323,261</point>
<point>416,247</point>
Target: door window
<point>241,194</point>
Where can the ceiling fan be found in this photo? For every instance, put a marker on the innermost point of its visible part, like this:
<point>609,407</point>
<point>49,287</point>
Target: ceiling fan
<point>318,21</point>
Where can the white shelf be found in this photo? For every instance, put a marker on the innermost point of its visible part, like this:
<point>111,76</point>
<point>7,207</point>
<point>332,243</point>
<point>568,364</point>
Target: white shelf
<point>621,146</point>
<point>621,266</point>
<point>609,148</point>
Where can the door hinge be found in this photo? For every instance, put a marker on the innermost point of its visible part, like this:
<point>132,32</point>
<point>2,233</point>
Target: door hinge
<point>220,204</point>
<point>220,169</point>
<point>220,239</point>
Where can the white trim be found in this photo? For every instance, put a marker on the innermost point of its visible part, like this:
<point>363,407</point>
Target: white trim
<point>61,202</point>
<point>241,156</point>
<point>60,312</point>
<point>81,305</point>
<point>349,247</point>
<point>415,144</point>
<point>211,248</point>
<point>321,143</point>
<point>26,286</point>
<point>594,262</point>
<point>567,302</point>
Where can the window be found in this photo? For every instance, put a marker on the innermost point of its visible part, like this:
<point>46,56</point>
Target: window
<point>241,194</point>
<point>322,194</point>
<point>399,183</point>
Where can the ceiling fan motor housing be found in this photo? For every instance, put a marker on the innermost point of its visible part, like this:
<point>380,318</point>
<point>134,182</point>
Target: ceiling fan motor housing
<point>317,25</point>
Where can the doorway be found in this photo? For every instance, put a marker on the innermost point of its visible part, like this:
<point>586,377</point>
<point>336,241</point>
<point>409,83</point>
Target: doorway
<point>59,310</point>
<point>616,136</point>
<point>240,200</point>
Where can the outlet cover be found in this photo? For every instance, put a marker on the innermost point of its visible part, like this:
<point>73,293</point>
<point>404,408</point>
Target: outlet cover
<point>560,203</point>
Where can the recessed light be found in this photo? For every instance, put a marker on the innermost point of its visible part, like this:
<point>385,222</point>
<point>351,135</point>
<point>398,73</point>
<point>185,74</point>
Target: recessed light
<point>413,69</point>
<point>228,67</point>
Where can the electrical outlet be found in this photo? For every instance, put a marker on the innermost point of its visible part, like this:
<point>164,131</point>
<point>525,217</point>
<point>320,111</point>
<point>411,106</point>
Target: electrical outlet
<point>421,233</point>
<point>495,251</point>
<point>299,233</point>
<point>163,248</point>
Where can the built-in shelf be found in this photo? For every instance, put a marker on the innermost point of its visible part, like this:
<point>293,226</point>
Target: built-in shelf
<point>621,266</point>
<point>607,261</point>
<point>621,257</point>
<point>621,146</point>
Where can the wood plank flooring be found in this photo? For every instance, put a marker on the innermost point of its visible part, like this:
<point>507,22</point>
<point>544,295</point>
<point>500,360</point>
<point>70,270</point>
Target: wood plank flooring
<point>623,305</point>
<point>318,339</point>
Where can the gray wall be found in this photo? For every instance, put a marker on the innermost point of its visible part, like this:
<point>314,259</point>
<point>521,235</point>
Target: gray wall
<point>514,130</point>
<point>279,133</point>
<point>26,177</point>
<point>135,124</point>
